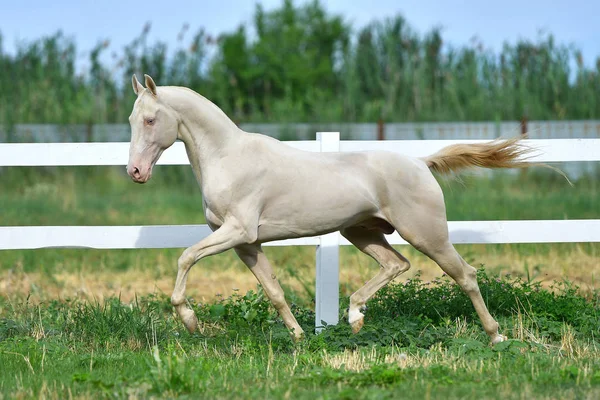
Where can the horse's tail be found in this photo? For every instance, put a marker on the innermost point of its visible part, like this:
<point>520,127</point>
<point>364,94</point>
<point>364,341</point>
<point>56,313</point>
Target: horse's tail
<point>495,154</point>
<point>508,153</point>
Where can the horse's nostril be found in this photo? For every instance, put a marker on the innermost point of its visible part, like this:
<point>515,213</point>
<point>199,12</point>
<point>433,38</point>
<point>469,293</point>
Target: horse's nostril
<point>136,172</point>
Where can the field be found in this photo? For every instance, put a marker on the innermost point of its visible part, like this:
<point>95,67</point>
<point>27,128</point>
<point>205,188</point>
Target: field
<point>91,323</point>
<point>80,323</point>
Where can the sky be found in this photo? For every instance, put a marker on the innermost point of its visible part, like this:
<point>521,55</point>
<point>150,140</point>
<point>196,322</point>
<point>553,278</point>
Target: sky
<point>494,22</point>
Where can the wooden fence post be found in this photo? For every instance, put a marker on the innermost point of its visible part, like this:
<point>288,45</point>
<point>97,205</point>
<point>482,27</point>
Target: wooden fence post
<point>380,130</point>
<point>524,125</point>
<point>523,171</point>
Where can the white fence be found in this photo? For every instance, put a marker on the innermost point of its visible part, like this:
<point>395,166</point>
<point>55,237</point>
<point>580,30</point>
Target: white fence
<point>327,273</point>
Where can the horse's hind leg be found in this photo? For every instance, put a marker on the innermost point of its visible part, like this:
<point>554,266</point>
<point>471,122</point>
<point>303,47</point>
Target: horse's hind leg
<point>426,228</point>
<point>392,263</point>
<point>465,275</point>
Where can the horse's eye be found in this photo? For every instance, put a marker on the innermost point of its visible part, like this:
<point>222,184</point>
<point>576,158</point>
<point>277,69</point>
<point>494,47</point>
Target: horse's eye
<point>149,121</point>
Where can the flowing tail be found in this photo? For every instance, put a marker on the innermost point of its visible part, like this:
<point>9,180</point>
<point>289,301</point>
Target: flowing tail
<point>509,153</point>
<point>496,154</point>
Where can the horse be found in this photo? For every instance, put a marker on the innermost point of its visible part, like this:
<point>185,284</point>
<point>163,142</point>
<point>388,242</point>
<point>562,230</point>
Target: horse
<point>257,189</point>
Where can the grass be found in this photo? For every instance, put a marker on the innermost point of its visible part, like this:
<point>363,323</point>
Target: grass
<point>99,324</point>
<point>434,348</point>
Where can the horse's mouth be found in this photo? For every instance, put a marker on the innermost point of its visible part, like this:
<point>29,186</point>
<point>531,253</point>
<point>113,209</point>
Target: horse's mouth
<point>141,180</point>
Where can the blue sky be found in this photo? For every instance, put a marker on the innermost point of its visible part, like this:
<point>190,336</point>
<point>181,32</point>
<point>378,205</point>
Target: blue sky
<point>574,21</point>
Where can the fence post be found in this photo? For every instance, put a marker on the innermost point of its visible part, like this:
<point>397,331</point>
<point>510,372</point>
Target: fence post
<point>524,129</point>
<point>524,133</point>
<point>380,130</point>
<point>327,282</point>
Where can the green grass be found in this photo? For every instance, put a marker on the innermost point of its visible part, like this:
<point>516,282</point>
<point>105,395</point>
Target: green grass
<point>419,340</point>
<point>98,196</point>
<point>534,195</point>
<point>432,348</point>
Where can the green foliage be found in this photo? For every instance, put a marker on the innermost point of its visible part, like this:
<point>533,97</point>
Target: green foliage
<point>415,313</point>
<point>251,309</point>
<point>138,323</point>
<point>110,349</point>
<point>141,321</point>
<point>298,63</point>
<point>443,300</point>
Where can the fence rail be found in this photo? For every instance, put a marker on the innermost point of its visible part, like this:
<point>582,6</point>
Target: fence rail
<point>117,153</point>
<point>182,236</point>
<point>327,255</point>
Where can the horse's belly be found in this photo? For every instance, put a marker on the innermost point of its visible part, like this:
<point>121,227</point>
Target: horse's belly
<point>281,230</point>
<point>313,215</point>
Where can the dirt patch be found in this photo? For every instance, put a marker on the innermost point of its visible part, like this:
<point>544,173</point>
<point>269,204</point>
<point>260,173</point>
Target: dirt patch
<point>295,270</point>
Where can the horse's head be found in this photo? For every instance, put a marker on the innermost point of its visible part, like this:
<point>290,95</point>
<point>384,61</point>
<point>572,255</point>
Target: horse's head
<point>154,127</point>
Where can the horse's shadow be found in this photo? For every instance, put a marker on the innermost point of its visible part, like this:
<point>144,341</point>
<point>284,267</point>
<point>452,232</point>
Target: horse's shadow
<point>167,236</point>
<point>468,236</point>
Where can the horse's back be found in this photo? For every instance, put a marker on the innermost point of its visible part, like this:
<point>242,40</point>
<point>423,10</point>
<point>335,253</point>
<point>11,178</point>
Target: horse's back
<point>290,153</point>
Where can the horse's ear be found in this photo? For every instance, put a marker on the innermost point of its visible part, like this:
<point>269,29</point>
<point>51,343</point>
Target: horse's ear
<point>150,84</point>
<point>137,87</point>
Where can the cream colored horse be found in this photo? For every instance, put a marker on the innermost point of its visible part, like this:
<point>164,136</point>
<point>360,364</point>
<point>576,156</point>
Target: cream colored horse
<point>257,189</point>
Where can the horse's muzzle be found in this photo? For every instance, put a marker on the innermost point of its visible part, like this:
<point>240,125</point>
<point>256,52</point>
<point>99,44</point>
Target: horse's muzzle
<point>139,175</point>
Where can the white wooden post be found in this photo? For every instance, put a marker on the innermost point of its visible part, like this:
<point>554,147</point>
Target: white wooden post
<point>327,301</point>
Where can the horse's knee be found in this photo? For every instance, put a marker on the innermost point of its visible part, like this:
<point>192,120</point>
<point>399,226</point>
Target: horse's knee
<point>278,300</point>
<point>186,260</point>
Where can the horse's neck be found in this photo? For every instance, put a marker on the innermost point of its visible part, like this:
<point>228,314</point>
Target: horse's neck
<point>205,129</point>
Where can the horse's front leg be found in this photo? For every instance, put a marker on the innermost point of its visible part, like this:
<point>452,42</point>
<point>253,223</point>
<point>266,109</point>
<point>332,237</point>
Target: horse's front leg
<point>229,235</point>
<point>257,262</point>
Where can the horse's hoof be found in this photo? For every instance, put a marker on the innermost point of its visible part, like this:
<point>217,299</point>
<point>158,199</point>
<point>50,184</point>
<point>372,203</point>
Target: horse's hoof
<point>498,338</point>
<point>357,325</point>
<point>298,336</point>
<point>189,320</point>
<point>356,320</point>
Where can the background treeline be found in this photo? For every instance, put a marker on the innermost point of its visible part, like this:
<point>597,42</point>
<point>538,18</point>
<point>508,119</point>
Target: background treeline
<point>300,63</point>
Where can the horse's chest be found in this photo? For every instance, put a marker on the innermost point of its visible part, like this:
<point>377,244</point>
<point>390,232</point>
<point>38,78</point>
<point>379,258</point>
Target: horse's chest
<point>222,193</point>
<point>215,209</point>
<point>213,221</point>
